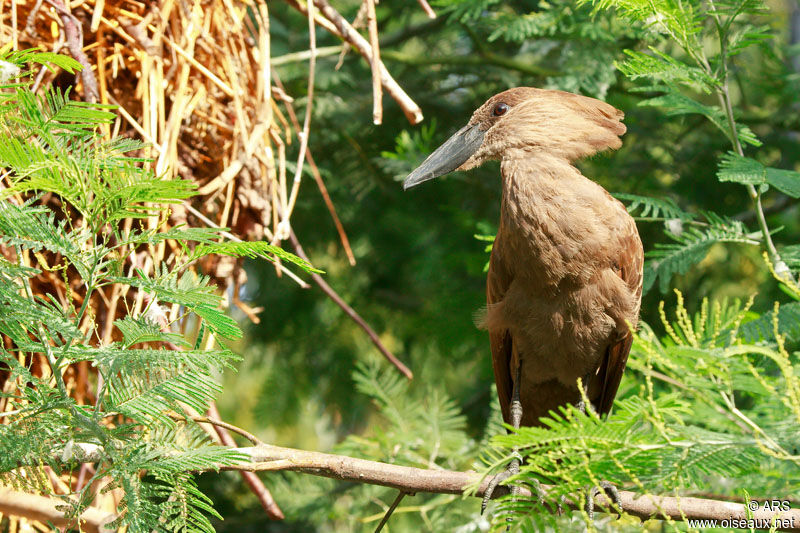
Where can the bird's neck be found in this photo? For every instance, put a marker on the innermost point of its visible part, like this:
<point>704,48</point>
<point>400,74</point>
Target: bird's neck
<point>538,219</point>
<point>535,183</point>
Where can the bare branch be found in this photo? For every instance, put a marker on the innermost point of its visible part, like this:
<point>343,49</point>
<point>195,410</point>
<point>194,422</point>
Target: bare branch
<point>74,34</point>
<point>312,63</point>
<point>336,24</point>
<point>374,63</point>
<point>411,480</point>
<point>315,172</point>
<point>256,485</point>
<point>426,7</point>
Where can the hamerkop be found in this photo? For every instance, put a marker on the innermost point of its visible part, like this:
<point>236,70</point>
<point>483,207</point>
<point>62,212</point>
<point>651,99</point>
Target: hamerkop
<point>565,277</point>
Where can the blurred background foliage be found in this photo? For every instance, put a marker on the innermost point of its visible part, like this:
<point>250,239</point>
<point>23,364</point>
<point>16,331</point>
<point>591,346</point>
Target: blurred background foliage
<point>311,379</point>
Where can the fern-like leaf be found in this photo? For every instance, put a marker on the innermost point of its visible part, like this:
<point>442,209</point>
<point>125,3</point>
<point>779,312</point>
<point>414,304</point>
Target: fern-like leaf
<point>690,248</point>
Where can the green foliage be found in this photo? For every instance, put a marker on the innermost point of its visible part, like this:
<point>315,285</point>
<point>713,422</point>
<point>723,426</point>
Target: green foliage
<point>409,151</point>
<point>50,144</point>
<point>690,247</point>
<point>252,250</point>
<point>464,11</point>
<point>644,208</point>
<point>686,25</point>
<point>745,170</point>
<point>676,104</point>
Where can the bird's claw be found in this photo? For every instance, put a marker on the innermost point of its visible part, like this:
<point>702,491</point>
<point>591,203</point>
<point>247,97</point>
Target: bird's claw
<point>611,492</point>
<point>493,483</point>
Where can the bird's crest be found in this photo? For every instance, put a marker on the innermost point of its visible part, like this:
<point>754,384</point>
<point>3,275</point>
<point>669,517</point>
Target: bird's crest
<point>558,123</point>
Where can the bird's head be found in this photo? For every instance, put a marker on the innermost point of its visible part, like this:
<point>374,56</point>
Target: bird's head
<point>526,121</point>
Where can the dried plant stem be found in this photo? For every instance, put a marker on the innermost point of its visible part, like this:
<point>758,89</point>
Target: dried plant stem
<point>252,480</point>
<point>312,62</point>
<point>374,63</point>
<point>295,57</point>
<point>426,7</point>
<point>72,30</point>
<point>390,510</point>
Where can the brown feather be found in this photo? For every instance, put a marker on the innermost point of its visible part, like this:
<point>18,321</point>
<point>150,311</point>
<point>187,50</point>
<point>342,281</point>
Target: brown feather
<point>500,341</point>
<point>630,270</point>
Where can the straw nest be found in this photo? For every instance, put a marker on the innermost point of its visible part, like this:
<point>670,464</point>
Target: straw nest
<point>194,81</point>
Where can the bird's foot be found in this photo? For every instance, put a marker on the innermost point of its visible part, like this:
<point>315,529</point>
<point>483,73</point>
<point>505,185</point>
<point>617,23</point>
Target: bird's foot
<point>611,492</point>
<point>512,470</point>
<point>581,406</point>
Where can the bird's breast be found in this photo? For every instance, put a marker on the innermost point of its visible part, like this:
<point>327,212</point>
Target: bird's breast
<point>557,226</point>
<point>554,255</point>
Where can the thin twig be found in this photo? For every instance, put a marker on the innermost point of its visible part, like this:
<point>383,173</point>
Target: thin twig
<point>74,33</point>
<point>426,7</point>
<point>349,311</point>
<point>312,63</point>
<point>30,23</point>
<point>336,24</point>
<point>374,63</point>
<point>318,178</point>
<point>214,420</point>
<point>305,55</point>
<point>723,94</point>
<point>390,510</point>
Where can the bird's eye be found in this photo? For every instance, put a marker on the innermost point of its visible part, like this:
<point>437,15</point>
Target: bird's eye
<point>500,109</point>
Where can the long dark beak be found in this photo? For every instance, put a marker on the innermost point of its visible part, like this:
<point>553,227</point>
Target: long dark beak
<point>448,157</point>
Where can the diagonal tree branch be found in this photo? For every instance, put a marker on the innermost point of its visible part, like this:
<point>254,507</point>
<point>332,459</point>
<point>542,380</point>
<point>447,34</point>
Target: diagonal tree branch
<point>335,23</point>
<point>354,316</point>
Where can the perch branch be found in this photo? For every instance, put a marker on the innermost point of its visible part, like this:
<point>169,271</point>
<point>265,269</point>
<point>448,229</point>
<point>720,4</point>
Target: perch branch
<point>267,458</point>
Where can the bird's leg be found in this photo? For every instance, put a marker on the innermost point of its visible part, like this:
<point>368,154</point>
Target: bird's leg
<point>581,405</point>
<point>513,467</point>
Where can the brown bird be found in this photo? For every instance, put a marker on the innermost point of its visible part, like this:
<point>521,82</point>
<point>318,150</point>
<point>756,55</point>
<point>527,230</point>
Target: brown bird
<point>565,276</point>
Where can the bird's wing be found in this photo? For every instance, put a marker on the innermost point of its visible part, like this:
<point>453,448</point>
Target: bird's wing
<point>497,283</point>
<point>631,263</point>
